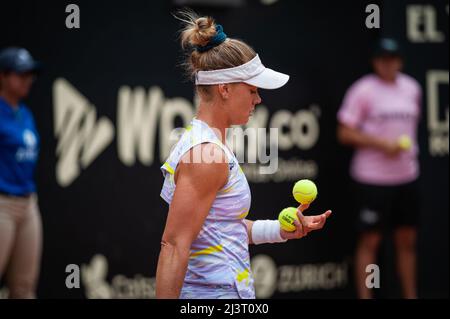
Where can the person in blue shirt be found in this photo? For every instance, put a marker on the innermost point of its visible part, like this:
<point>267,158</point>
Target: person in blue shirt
<point>20,222</point>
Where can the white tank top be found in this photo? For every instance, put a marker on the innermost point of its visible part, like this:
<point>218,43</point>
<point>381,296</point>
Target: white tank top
<point>219,256</point>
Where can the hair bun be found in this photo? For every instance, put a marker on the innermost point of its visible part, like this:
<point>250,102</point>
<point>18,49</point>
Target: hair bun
<point>198,31</point>
<point>206,29</point>
<point>203,34</point>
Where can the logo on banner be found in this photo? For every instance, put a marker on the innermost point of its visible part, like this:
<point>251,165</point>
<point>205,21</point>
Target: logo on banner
<point>270,278</point>
<point>81,135</point>
<point>143,115</point>
<point>93,276</point>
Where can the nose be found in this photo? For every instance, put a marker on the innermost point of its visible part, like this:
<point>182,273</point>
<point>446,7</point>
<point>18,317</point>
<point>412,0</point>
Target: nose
<point>258,99</point>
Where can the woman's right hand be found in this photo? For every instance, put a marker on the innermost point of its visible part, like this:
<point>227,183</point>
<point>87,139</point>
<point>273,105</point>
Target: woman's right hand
<point>391,149</point>
<point>305,224</point>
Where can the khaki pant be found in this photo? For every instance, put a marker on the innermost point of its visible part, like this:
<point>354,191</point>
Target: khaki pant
<point>20,244</point>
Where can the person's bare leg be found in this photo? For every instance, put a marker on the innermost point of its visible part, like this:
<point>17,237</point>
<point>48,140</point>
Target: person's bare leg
<point>23,270</point>
<point>366,253</point>
<point>405,242</point>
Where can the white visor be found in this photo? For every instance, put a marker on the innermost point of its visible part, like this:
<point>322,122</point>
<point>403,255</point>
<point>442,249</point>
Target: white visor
<point>253,72</point>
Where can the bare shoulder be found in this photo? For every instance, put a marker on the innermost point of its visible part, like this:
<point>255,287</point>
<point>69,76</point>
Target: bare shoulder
<point>204,166</point>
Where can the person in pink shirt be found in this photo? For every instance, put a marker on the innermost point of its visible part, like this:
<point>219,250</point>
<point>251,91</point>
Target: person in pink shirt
<point>379,117</point>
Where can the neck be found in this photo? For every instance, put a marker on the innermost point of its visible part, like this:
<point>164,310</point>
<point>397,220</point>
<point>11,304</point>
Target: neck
<point>388,80</point>
<point>10,99</point>
<point>214,116</point>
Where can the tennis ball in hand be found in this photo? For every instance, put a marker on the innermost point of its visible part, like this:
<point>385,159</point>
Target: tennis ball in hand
<point>304,191</point>
<point>404,142</point>
<point>287,217</point>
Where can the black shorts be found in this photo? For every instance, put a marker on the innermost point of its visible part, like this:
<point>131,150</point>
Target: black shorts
<point>381,208</point>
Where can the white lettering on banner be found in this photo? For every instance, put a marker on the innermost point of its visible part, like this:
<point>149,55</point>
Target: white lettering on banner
<point>295,278</point>
<point>138,116</point>
<point>141,115</point>
<point>288,170</point>
<point>81,136</point>
<point>421,24</point>
<point>300,129</point>
<point>282,119</point>
<point>268,279</point>
<point>137,119</point>
<point>305,129</point>
<point>94,275</point>
<point>175,107</point>
<point>437,127</point>
<point>265,275</point>
<point>327,276</point>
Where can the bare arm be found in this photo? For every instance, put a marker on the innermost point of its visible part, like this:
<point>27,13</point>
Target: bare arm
<point>196,188</point>
<point>354,137</point>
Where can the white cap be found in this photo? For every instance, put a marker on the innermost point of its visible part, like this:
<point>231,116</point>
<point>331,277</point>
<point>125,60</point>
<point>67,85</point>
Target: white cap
<point>253,72</point>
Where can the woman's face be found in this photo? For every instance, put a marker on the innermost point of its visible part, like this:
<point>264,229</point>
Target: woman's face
<point>387,67</point>
<point>16,84</point>
<point>243,99</point>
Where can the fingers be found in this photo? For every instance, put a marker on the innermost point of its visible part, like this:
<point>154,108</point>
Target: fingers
<point>302,207</point>
<point>305,224</point>
<point>318,218</point>
<point>299,229</point>
<point>300,215</point>
<point>301,218</point>
<point>321,218</point>
<point>316,222</point>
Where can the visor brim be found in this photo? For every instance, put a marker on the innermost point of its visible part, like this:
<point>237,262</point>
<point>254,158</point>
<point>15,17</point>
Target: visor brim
<point>269,79</point>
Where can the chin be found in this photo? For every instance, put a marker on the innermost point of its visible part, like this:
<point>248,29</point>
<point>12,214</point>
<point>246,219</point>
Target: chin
<point>23,94</point>
<point>241,121</point>
<point>244,121</point>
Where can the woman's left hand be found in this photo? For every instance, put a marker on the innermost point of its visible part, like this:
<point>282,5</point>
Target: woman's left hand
<point>306,224</point>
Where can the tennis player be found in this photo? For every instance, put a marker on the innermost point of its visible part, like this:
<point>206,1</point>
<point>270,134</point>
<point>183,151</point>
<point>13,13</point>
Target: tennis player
<point>204,250</point>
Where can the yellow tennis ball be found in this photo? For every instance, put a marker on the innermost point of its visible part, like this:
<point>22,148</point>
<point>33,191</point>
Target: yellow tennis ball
<point>405,142</point>
<point>287,217</point>
<point>304,191</point>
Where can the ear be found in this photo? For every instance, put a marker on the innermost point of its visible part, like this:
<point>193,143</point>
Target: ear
<point>224,90</point>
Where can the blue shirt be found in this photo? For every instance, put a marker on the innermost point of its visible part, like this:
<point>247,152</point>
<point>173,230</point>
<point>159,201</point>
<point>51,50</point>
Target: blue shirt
<point>19,149</point>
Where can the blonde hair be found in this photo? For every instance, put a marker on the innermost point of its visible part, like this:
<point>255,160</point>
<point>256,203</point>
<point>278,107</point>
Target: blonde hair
<point>197,32</point>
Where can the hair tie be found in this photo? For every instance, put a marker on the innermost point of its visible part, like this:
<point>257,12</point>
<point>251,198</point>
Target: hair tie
<point>215,40</point>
